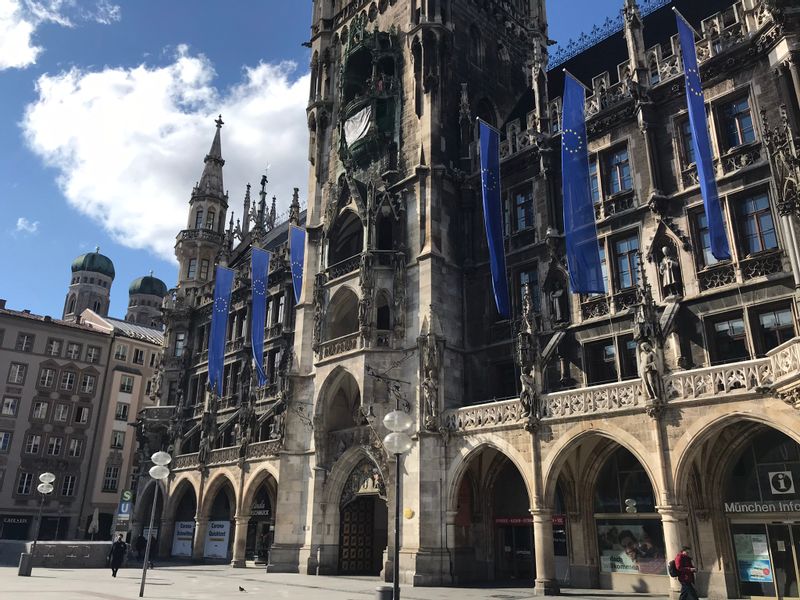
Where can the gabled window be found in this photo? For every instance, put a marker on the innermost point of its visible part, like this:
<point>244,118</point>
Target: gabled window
<point>618,171</point>
<point>61,413</point>
<point>47,377</point>
<point>9,408</point>
<point>40,410</point>
<point>87,384</point>
<point>755,225</point>
<point>16,373</point>
<point>54,446</point>
<point>737,123</point>
<point>33,443</point>
<point>67,381</point>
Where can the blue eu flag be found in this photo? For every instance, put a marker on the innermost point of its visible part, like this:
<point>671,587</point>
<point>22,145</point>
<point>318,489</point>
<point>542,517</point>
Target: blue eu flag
<point>260,267</point>
<point>700,141</point>
<point>297,253</point>
<point>580,230</point>
<point>219,326</point>
<point>493,214</point>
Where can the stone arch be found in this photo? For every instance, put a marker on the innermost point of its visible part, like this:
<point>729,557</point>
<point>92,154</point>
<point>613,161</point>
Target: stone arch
<point>702,430</point>
<point>341,318</point>
<point>221,482</point>
<point>472,448</point>
<point>179,488</point>
<point>267,473</point>
<point>383,310</point>
<point>144,500</point>
<point>566,443</point>
<point>341,471</point>
<point>346,237</point>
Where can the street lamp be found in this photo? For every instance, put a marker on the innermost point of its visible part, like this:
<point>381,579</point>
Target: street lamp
<point>397,442</point>
<point>45,487</point>
<point>159,471</point>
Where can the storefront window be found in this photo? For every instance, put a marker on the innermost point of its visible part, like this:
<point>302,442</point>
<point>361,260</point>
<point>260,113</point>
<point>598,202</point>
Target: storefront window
<point>630,538</point>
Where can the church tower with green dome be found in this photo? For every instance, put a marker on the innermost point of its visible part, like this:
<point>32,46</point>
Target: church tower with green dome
<point>90,286</point>
<point>145,295</point>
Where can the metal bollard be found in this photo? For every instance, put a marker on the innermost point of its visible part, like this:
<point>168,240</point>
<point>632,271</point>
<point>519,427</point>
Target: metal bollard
<point>25,564</point>
<point>383,592</point>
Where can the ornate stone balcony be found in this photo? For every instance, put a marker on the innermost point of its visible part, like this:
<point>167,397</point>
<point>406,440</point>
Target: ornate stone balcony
<point>338,346</point>
<point>185,461</point>
<point>343,268</point>
<point>778,372</point>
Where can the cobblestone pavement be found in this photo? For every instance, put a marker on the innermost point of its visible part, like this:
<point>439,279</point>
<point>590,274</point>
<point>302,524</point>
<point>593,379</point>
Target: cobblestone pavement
<point>203,582</point>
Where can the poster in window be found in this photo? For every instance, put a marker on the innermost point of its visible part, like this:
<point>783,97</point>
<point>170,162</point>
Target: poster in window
<point>631,546</point>
<point>182,539</point>
<point>752,556</point>
<point>217,539</point>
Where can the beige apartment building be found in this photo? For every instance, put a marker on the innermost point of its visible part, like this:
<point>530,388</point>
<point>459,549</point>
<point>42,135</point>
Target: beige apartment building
<point>72,388</point>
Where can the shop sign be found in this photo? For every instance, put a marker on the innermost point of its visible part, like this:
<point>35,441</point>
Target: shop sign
<point>763,506</point>
<point>781,482</point>
<point>16,520</point>
<point>513,521</point>
<point>217,539</point>
<point>259,510</point>
<point>182,539</point>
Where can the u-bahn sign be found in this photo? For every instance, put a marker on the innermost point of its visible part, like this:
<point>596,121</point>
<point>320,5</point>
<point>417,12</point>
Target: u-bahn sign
<point>763,506</point>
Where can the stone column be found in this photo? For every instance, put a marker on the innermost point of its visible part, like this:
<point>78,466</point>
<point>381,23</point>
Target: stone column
<point>240,541</point>
<point>546,582</point>
<point>794,69</point>
<point>200,531</point>
<point>165,538</point>
<point>676,535</point>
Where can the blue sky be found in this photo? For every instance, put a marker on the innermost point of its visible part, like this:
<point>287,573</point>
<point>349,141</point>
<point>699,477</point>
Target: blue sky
<point>106,112</point>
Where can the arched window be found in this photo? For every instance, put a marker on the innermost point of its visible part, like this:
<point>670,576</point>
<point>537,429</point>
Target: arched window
<point>342,317</point>
<point>210,220</point>
<point>96,306</point>
<point>476,50</point>
<point>71,305</point>
<point>198,219</point>
<point>347,238</point>
<point>383,314</point>
<point>384,233</point>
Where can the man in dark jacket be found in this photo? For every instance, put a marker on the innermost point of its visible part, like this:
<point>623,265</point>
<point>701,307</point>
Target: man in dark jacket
<point>141,544</point>
<point>686,571</point>
<point>117,555</point>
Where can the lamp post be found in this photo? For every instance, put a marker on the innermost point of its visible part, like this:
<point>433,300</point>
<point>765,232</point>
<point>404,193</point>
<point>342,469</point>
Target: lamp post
<point>45,487</point>
<point>397,442</point>
<point>159,471</point>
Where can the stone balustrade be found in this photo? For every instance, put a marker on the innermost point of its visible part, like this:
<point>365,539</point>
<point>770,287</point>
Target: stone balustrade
<point>185,461</point>
<point>728,381</point>
<point>340,345</point>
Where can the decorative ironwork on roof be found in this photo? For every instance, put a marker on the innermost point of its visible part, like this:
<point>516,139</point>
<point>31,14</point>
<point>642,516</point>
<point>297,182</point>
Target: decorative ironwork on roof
<point>609,27</point>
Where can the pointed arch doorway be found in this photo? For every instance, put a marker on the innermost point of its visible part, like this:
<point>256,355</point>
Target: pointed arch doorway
<point>363,522</point>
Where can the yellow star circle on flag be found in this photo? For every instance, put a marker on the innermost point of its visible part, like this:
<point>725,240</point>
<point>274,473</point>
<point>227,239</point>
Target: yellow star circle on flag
<point>571,141</point>
<point>489,179</point>
<point>693,83</point>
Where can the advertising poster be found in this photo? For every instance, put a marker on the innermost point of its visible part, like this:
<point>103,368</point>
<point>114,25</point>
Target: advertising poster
<point>752,556</point>
<point>182,540</point>
<point>217,539</point>
<point>635,547</point>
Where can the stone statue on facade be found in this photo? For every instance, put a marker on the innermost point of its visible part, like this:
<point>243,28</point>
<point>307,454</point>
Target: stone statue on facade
<point>430,396</point>
<point>527,392</point>
<point>649,371</point>
<point>669,270</point>
<point>399,285</point>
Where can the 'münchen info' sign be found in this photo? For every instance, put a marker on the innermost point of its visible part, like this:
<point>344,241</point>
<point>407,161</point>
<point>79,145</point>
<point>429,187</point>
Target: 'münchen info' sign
<point>763,506</point>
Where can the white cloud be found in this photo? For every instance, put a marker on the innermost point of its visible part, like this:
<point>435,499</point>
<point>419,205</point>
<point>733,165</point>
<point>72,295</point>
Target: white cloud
<point>129,143</point>
<point>26,226</point>
<point>19,20</point>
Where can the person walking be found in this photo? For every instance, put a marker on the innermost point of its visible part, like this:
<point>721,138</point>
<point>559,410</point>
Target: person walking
<point>141,544</point>
<point>117,555</point>
<point>686,571</point>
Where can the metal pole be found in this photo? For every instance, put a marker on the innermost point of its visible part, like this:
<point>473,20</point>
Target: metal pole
<point>38,528</point>
<point>149,538</point>
<point>396,576</point>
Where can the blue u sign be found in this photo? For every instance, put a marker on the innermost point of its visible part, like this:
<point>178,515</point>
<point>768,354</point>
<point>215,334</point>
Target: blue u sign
<point>124,508</point>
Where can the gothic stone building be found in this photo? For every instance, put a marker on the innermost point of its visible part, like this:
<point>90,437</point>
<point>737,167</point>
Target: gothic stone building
<point>581,442</point>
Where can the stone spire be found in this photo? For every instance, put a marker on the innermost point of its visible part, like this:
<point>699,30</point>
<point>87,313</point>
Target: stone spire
<point>634,38</point>
<point>211,180</point>
<point>272,215</point>
<point>246,213</point>
<point>294,208</point>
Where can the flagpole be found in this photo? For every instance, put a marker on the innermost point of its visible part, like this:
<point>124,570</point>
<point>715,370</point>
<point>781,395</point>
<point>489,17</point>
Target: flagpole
<point>685,20</point>
<point>585,87</point>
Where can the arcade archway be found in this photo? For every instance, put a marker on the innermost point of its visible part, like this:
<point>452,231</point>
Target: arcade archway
<point>363,522</point>
<point>220,512</point>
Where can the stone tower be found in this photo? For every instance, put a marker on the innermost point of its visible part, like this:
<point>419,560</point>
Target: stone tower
<point>197,246</point>
<point>395,90</point>
<point>90,286</point>
<point>145,295</point>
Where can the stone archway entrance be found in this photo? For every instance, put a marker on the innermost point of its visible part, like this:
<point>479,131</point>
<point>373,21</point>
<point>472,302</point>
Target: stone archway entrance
<point>363,522</point>
<point>261,526</point>
<point>493,526</point>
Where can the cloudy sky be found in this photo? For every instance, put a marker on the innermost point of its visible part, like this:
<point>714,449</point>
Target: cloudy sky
<point>106,113</point>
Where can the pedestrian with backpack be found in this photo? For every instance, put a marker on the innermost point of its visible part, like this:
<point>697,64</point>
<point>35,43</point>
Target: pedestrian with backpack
<point>683,570</point>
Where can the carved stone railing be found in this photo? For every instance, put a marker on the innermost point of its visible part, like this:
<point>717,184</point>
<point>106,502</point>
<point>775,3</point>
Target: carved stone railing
<point>198,409</point>
<point>740,158</point>
<point>716,276</point>
<point>340,345</point>
<point>626,299</point>
<point>616,204</point>
<point>222,456</point>
<point>344,267</point>
<point>689,176</point>
<point>746,376</point>
<point>595,399</point>
<point>785,360</point>
<point>594,307</point>
<point>484,416</point>
<point>234,345</point>
<point>274,331</point>
<point>205,235</point>
<point>607,97</point>
<point>264,449</point>
<point>761,265</point>
<point>185,461</point>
